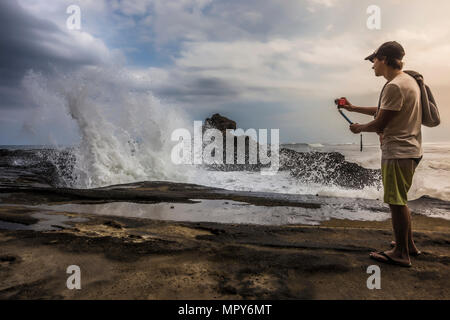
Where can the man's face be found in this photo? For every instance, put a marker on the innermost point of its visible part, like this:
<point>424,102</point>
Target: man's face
<point>378,67</point>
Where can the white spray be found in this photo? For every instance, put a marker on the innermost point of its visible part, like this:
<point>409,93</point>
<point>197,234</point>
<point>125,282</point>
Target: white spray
<point>124,130</point>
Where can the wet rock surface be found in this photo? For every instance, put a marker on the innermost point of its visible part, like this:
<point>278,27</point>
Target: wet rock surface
<point>135,258</point>
<point>54,167</point>
<point>38,167</point>
<point>149,259</point>
<point>328,168</point>
<point>220,123</point>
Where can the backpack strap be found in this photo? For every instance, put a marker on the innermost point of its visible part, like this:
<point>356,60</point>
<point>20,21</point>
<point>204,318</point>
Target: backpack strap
<point>379,100</point>
<point>415,75</point>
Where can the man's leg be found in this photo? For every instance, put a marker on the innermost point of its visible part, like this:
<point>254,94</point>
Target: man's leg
<point>401,223</point>
<point>412,249</point>
<point>397,177</point>
<point>411,245</point>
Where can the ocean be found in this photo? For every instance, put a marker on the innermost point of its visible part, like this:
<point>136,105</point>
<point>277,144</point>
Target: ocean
<point>46,166</point>
<point>432,177</point>
<point>125,137</point>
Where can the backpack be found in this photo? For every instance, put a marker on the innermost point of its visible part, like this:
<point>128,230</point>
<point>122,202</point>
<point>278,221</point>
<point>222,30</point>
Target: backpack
<point>430,112</point>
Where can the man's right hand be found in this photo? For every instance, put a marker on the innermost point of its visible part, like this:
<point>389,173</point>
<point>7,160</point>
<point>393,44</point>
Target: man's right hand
<point>348,106</point>
<point>380,135</point>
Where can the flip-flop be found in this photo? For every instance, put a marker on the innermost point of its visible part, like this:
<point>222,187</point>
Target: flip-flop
<point>390,260</point>
<point>414,254</point>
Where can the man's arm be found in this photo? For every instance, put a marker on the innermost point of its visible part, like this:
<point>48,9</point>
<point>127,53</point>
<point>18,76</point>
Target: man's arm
<point>381,121</point>
<point>371,111</point>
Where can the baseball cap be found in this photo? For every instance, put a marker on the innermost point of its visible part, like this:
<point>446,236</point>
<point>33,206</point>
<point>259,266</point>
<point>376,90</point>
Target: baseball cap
<point>390,49</point>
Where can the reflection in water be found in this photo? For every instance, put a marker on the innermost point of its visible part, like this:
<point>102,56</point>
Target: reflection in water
<point>223,211</point>
<point>47,222</point>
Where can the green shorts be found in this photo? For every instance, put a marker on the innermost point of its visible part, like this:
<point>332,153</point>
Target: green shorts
<point>397,177</point>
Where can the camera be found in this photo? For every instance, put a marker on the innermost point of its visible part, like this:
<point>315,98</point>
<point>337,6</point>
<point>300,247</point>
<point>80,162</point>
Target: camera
<point>341,102</point>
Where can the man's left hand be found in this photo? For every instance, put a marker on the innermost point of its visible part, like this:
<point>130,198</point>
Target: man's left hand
<point>356,128</point>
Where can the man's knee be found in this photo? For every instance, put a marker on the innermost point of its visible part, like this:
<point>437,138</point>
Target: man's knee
<point>398,208</point>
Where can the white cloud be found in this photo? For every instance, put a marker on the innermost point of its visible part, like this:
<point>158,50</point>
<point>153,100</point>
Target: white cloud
<point>268,51</point>
<point>131,7</point>
<point>276,70</point>
<point>326,3</point>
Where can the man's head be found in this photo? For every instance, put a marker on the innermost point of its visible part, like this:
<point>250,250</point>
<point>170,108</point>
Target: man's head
<point>388,56</point>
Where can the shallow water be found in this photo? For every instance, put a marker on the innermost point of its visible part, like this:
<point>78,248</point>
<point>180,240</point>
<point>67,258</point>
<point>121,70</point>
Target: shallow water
<point>47,222</point>
<point>224,211</point>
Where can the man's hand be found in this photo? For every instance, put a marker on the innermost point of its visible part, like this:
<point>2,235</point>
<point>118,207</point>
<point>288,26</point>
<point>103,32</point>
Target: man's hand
<point>380,134</point>
<point>356,128</point>
<point>348,106</point>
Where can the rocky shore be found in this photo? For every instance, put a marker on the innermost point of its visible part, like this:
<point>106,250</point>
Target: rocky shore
<point>137,258</point>
<point>54,167</point>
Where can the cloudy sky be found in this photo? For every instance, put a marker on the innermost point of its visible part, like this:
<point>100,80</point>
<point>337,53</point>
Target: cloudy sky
<point>264,63</point>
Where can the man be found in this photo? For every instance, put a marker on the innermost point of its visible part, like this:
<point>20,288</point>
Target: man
<point>398,123</point>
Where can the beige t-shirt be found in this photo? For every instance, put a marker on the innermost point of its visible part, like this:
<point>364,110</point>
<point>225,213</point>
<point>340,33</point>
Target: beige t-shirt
<point>402,137</point>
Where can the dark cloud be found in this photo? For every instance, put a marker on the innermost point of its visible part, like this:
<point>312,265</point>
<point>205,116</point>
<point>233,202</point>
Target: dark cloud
<point>194,90</point>
<point>12,96</point>
<point>28,42</point>
<point>300,54</point>
<point>19,46</point>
